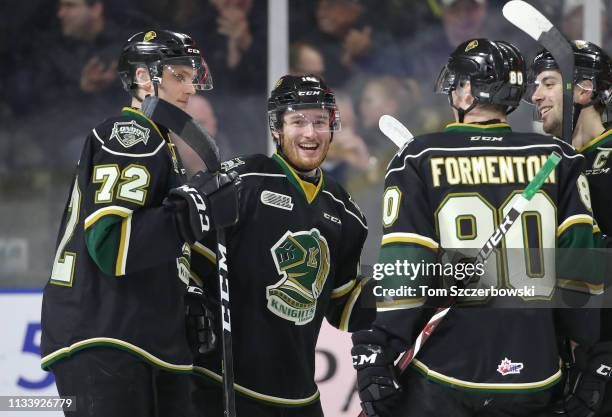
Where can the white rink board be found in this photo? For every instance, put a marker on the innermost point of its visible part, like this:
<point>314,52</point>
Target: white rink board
<point>20,372</point>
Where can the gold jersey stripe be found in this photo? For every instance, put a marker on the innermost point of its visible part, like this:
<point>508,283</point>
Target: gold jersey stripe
<point>256,395</point>
<point>580,286</point>
<point>107,341</point>
<point>345,317</point>
<point>106,211</point>
<point>409,238</point>
<point>572,220</point>
<point>205,252</point>
<point>486,387</point>
<point>344,289</point>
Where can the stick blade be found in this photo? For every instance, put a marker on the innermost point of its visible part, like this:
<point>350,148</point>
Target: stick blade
<point>179,122</point>
<point>527,18</point>
<point>394,130</point>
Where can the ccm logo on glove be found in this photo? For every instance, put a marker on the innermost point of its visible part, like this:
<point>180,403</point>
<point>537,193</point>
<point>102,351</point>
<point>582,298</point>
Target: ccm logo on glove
<point>604,370</point>
<point>363,359</point>
<point>200,205</point>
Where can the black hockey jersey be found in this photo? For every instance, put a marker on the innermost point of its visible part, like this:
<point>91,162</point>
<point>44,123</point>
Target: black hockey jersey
<point>450,190</point>
<point>120,270</point>
<point>293,260</point>
<point>598,172</point>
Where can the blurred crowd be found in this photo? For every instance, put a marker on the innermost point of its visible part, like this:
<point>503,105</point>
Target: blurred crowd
<point>59,80</point>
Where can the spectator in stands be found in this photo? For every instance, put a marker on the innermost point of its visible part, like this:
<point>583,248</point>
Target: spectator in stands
<point>347,150</point>
<point>233,36</point>
<point>84,59</point>
<point>461,20</point>
<point>572,21</point>
<point>347,40</point>
<point>305,58</point>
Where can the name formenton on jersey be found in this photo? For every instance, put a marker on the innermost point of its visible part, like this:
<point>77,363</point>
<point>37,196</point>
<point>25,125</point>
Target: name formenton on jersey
<point>489,169</point>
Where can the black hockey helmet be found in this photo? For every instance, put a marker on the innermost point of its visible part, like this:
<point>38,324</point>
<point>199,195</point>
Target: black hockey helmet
<point>293,92</point>
<point>153,50</point>
<point>590,63</point>
<point>495,70</point>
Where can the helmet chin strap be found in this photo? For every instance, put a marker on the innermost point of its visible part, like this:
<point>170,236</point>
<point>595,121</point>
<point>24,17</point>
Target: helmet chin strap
<point>461,112</point>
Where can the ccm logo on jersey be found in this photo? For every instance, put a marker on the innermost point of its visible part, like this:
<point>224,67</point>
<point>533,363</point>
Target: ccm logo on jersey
<point>488,138</point>
<point>363,359</point>
<point>332,218</point>
<point>605,370</point>
<point>200,205</point>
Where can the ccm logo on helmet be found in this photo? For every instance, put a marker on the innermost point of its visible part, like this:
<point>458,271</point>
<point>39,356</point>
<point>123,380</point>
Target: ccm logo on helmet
<point>193,51</point>
<point>363,359</point>
<point>308,93</point>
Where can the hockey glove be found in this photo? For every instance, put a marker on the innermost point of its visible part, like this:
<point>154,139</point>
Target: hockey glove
<point>206,202</point>
<point>376,380</point>
<point>591,372</point>
<point>199,320</point>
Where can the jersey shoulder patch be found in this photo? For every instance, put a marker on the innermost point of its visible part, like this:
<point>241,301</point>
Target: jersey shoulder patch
<point>251,165</point>
<point>129,136</point>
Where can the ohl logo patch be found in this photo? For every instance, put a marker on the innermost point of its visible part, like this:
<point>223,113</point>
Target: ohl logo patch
<point>302,260</point>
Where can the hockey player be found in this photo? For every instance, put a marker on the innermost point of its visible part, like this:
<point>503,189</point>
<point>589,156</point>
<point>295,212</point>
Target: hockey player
<point>448,191</point>
<point>113,315</point>
<point>292,259</point>
<point>592,138</point>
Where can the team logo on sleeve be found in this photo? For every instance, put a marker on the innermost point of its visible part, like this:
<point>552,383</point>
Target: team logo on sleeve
<point>231,164</point>
<point>129,133</point>
<point>507,367</point>
<point>302,260</point>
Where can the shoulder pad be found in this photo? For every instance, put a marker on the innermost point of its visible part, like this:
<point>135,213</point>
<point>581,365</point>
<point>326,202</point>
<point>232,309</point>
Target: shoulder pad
<point>129,136</point>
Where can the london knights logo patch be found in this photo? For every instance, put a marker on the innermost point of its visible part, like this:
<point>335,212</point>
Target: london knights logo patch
<point>129,133</point>
<point>302,260</point>
<point>507,367</point>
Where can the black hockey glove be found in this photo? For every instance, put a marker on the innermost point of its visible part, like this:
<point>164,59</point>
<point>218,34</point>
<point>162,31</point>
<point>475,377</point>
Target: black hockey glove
<point>588,377</point>
<point>206,202</point>
<point>376,380</point>
<point>199,321</point>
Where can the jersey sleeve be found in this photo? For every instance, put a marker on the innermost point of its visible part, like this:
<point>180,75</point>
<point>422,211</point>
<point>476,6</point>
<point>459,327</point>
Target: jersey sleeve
<point>580,267</point>
<point>349,308</point>
<point>409,237</point>
<point>125,177</point>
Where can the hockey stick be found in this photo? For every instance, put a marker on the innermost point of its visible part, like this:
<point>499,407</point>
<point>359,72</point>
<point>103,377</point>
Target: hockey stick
<point>204,146</point>
<point>395,130</point>
<point>516,210</point>
<point>528,19</point>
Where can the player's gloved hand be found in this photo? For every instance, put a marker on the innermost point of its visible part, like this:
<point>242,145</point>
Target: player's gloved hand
<point>376,380</point>
<point>207,202</point>
<point>591,372</point>
<point>199,321</point>
<point>464,263</point>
